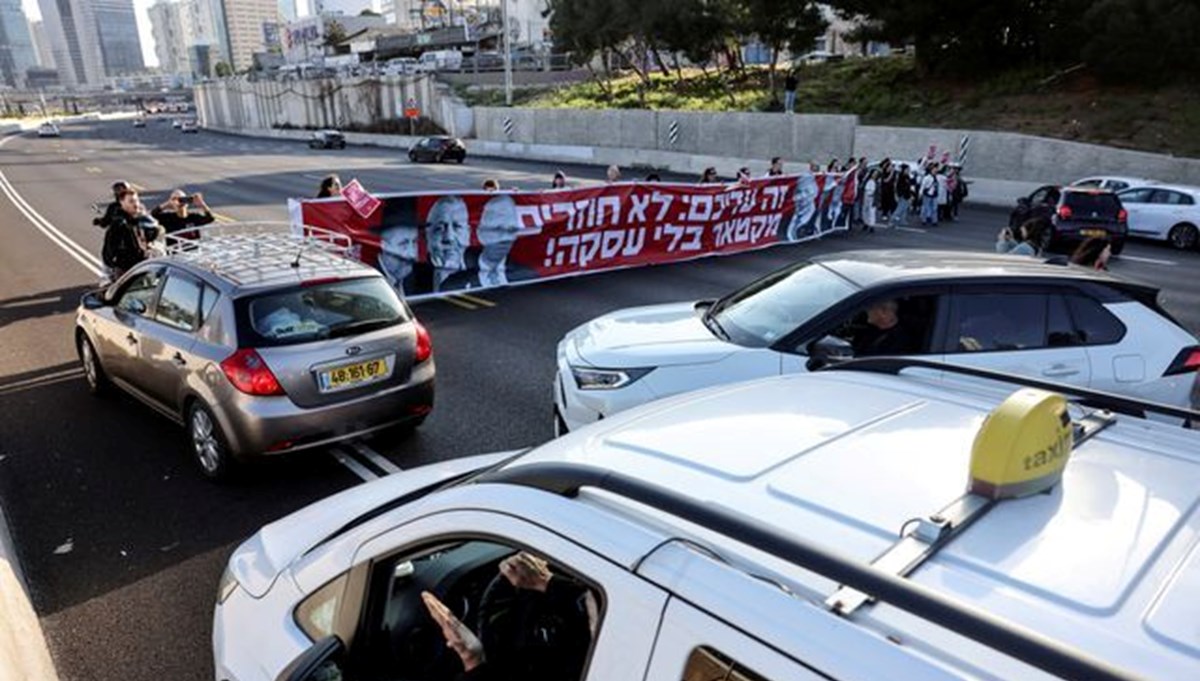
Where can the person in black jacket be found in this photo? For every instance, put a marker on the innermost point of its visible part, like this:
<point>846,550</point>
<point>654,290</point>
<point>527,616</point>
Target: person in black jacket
<point>125,241</point>
<point>182,212</point>
<point>114,207</point>
<point>544,633</point>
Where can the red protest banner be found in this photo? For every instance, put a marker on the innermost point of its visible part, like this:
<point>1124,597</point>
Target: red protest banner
<point>435,243</point>
<point>362,202</point>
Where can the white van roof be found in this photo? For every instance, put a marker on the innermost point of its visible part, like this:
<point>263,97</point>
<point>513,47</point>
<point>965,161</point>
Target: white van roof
<point>1106,562</point>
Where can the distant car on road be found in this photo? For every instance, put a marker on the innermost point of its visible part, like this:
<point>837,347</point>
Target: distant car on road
<point>189,127</point>
<point>327,139</point>
<point>1074,214</point>
<point>999,312</point>
<point>177,123</point>
<point>259,342</point>
<point>1168,213</point>
<point>139,122</point>
<point>437,150</point>
<point>48,129</point>
<point>1112,183</point>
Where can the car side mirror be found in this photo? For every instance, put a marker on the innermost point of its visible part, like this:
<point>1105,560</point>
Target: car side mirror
<point>320,662</point>
<point>828,350</point>
<point>93,300</point>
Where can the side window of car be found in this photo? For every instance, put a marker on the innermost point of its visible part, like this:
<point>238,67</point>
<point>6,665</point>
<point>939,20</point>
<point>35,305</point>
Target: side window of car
<point>706,664</point>
<point>983,322</point>
<point>532,618</point>
<point>208,301</point>
<point>138,295</point>
<point>901,325</point>
<point>1039,196</point>
<point>1060,329</point>
<point>179,304</point>
<point>1136,196</point>
<point>1093,323</point>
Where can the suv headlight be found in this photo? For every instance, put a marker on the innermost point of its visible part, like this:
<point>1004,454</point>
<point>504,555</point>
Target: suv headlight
<point>228,585</point>
<point>606,379</point>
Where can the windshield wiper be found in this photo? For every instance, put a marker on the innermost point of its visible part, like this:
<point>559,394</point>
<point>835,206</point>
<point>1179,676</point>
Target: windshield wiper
<point>360,326</point>
<point>715,326</point>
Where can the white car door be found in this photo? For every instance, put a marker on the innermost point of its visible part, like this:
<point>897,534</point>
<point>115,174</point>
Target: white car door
<point>1142,220</point>
<point>1017,330</point>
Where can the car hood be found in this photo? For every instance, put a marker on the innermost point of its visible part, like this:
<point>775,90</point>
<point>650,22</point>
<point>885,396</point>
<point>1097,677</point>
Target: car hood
<point>657,335</point>
<point>260,559</point>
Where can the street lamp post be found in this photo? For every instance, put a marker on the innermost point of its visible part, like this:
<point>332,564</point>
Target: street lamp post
<point>508,75</point>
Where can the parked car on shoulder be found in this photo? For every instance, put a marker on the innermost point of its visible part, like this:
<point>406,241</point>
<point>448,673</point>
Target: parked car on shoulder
<point>438,150</point>
<point>259,342</point>
<point>327,139</point>
<point>1074,214</point>
<point>1006,313</point>
<point>861,523</point>
<point>1168,213</point>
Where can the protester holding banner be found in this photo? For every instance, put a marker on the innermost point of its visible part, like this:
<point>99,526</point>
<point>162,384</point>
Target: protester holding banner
<point>559,181</point>
<point>330,186</point>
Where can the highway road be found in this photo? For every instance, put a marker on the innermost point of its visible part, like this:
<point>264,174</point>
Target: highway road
<point>121,540</point>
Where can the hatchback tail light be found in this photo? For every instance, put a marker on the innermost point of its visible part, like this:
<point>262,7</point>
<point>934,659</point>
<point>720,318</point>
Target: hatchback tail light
<point>247,371</point>
<point>1187,360</point>
<point>1122,215</point>
<point>1064,212</point>
<point>424,344</point>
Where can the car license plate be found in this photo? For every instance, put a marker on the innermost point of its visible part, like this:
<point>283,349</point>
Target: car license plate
<point>352,375</point>
<point>1094,232</point>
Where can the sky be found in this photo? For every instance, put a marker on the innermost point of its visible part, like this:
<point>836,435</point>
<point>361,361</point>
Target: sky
<point>34,13</point>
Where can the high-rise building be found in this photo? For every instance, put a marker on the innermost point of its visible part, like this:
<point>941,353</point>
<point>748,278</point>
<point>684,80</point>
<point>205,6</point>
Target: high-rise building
<point>288,11</point>
<point>170,44</point>
<point>120,45</point>
<point>74,41</point>
<point>199,26</point>
<point>351,7</point>
<point>16,47</point>
<point>240,28</point>
<point>41,45</point>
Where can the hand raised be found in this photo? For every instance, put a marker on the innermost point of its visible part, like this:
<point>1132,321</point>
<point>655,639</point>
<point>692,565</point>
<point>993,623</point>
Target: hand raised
<point>458,637</point>
<point>526,571</point>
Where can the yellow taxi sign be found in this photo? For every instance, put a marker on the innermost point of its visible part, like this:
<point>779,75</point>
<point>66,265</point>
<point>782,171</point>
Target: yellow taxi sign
<point>1022,446</point>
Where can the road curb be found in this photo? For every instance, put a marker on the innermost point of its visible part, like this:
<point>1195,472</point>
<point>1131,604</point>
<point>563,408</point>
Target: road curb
<point>23,652</point>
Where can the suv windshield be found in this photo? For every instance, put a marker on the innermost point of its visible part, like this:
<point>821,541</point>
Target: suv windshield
<point>774,306</point>
<point>1100,204</point>
<point>307,313</point>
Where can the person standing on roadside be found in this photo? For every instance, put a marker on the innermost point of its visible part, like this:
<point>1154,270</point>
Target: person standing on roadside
<point>789,91</point>
<point>125,242</point>
<point>928,191</point>
<point>559,181</point>
<point>776,168</point>
<point>850,193</point>
<point>182,212</point>
<point>114,207</point>
<point>887,193</point>
<point>709,176</point>
<point>613,174</point>
<point>904,197</point>
<point>870,194</point>
<point>943,197</point>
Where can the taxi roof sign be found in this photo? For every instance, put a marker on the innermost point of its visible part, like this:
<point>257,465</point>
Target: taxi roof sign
<point>1023,446</point>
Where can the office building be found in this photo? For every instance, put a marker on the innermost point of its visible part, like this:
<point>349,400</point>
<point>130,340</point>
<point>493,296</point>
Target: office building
<point>288,11</point>
<point>242,33</point>
<point>17,54</point>
<point>120,45</point>
<point>74,41</point>
<point>170,45</point>
<point>37,32</point>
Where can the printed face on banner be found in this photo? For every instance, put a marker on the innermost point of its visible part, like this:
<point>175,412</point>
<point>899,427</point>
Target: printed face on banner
<point>438,243</point>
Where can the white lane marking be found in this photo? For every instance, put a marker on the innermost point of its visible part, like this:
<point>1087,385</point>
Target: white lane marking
<point>1152,261</point>
<point>79,253</point>
<point>376,458</point>
<point>915,230</point>
<point>355,467</point>
<point>314,177</point>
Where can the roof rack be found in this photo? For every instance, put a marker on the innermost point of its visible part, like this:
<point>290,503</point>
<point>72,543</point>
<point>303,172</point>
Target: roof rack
<point>1020,643</point>
<point>261,251</point>
<point>1121,404</point>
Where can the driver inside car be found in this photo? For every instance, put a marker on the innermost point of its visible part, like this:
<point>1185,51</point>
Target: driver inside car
<point>539,626</point>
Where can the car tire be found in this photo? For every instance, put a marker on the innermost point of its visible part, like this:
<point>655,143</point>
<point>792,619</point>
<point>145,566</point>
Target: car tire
<point>93,372</point>
<point>1183,237</point>
<point>440,158</point>
<point>461,159</point>
<point>412,158</point>
<point>209,447</point>
<point>341,145</point>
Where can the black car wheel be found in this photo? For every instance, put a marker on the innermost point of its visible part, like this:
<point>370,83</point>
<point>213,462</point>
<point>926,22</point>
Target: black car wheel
<point>412,157</point>
<point>341,145</point>
<point>440,158</point>
<point>209,446</point>
<point>97,380</point>
<point>461,158</point>
<point>1184,237</point>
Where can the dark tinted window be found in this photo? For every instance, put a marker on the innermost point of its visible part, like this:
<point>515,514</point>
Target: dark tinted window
<point>1137,195</point>
<point>1060,329</point>
<point>1094,324</point>
<point>1086,203</point>
<point>308,313</point>
<point>998,321</point>
<point>707,664</point>
<point>1165,196</point>
<point>179,304</point>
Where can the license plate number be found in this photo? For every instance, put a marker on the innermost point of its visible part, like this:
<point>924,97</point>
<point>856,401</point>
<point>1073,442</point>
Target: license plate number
<point>1094,232</point>
<point>351,375</point>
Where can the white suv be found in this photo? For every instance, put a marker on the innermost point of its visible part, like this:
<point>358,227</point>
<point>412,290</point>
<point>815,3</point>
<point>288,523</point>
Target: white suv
<point>1007,313</point>
<point>736,533</point>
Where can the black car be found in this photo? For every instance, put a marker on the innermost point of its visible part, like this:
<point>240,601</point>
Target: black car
<point>437,150</point>
<point>327,139</point>
<point>1073,214</point>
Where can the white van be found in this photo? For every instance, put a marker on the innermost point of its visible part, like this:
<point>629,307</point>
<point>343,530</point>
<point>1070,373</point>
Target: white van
<point>441,60</point>
<point>874,521</point>
<point>400,66</point>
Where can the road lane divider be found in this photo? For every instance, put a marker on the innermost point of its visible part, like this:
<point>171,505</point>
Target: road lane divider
<point>376,458</point>
<point>453,300</point>
<point>343,457</point>
<point>1149,261</point>
<point>56,236</point>
<point>476,300</point>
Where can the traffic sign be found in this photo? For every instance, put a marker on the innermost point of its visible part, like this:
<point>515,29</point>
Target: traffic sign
<point>411,110</point>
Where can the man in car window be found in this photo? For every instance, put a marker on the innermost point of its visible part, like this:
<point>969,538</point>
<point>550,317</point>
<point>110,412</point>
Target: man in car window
<point>884,335</point>
<point>556,620</point>
<point>447,233</point>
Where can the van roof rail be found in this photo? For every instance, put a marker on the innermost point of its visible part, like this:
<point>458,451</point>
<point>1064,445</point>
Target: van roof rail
<point>1121,404</point>
<point>1011,639</point>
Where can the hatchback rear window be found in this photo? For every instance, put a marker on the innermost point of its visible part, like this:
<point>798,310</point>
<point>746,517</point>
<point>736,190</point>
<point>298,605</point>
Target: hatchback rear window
<point>1087,203</point>
<point>307,313</point>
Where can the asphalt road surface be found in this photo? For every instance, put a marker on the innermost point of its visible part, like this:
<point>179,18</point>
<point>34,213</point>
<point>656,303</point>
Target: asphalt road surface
<point>121,540</point>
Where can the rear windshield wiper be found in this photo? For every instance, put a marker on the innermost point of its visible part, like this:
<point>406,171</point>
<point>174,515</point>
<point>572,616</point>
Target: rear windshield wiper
<point>361,326</point>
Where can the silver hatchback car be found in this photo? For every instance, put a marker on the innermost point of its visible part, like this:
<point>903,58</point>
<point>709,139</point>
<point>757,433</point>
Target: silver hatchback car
<point>259,341</point>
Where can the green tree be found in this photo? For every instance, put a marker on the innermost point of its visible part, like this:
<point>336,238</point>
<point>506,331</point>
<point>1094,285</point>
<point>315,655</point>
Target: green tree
<point>1143,40</point>
<point>223,69</point>
<point>794,25</point>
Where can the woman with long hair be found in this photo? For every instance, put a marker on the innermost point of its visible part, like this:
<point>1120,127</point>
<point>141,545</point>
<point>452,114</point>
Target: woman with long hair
<point>1094,253</point>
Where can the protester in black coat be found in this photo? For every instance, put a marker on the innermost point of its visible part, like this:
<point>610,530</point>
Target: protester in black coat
<point>125,242</point>
<point>114,207</point>
<point>182,212</point>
